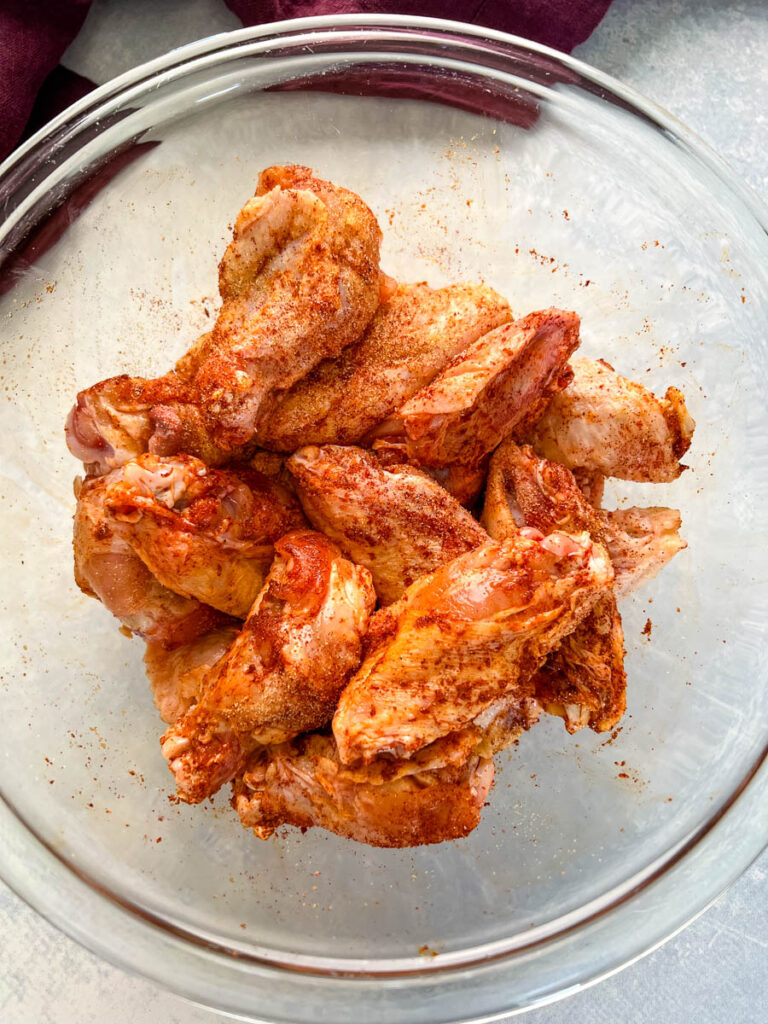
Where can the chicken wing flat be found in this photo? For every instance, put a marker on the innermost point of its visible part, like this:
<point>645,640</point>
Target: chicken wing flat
<point>583,680</point>
<point>299,282</point>
<point>464,636</point>
<point>107,567</point>
<point>410,339</point>
<point>396,522</point>
<point>605,422</point>
<point>284,672</point>
<point>303,783</point>
<point>524,490</point>
<point>496,384</point>
<point>203,533</point>
<point>177,676</point>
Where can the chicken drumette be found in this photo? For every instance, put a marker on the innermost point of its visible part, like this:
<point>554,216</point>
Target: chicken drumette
<point>283,673</point>
<point>204,533</point>
<point>299,282</point>
<point>107,567</point>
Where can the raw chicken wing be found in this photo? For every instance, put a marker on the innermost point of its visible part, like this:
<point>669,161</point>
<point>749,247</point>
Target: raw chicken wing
<point>525,490</point>
<point>498,383</point>
<point>177,676</point>
<point>464,483</point>
<point>299,282</point>
<point>603,421</point>
<point>465,636</point>
<point>107,567</point>
<point>410,339</point>
<point>583,679</point>
<point>204,533</point>
<point>396,522</point>
<point>641,541</point>
<point>303,783</point>
<point>284,672</point>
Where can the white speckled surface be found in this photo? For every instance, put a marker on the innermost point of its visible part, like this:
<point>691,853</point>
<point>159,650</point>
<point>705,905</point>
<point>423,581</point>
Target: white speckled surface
<point>705,62</point>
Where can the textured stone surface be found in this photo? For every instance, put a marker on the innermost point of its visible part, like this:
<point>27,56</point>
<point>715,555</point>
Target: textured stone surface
<point>705,62</point>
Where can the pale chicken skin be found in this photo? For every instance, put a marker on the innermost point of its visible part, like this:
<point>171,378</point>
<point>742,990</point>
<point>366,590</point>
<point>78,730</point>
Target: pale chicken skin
<point>176,676</point>
<point>204,533</point>
<point>397,522</point>
<point>641,541</point>
<point>464,636</point>
<point>605,422</point>
<point>299,282</point>
<point>283,673</point>
<point>107,567</point>
<point>464,483</point>
<point>524,490</point>
<point>410,339</point>
<point>497,384</point>
<point>304,784</point>
<point>122,417</point>
<point>591,483</point>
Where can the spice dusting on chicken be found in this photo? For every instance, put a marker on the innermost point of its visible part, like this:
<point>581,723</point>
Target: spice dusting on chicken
<point>359,526</point>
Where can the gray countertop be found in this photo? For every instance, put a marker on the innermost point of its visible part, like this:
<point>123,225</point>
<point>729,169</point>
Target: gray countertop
<point>704,61</point>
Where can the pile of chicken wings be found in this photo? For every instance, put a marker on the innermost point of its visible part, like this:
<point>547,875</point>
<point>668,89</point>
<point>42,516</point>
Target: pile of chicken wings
<point>359,528</point>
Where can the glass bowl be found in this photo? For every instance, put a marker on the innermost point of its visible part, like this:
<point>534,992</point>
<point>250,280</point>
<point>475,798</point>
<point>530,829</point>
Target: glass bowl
<point>484,157</point>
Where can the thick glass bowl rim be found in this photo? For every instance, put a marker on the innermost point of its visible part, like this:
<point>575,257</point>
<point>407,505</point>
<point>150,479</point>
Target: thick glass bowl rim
<point>30,163</point>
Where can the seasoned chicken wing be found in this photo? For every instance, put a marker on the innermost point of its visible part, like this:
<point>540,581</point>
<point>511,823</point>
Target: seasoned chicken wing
<point>303,783</point>
<point>411,338</point>
<point>464,483</point>
<point>464,636</point>
<point>605,422</point>
<point>583,679</point>
<point>396,522</point>
<point>204,533</point>
<point>107,567</point>
<point>524,490</point>
<point>299,282</point>
<point>284,672</point>
<point>503,380</point>
<point>641,541</point>
<point>122,417</point>
<point>177,676</point>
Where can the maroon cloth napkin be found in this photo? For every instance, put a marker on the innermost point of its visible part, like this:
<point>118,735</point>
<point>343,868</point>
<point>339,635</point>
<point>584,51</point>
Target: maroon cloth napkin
<point>35,33</point>
<point>33,36</point>
<point>562,24</point>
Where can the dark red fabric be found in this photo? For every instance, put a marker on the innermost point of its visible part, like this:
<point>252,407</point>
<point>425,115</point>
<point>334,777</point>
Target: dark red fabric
<point>35,33</point>
<point>562,24</point>
<point>33,36</point>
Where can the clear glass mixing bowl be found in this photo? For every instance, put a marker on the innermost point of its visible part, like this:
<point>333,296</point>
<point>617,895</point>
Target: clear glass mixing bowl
<point>484,157</point>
